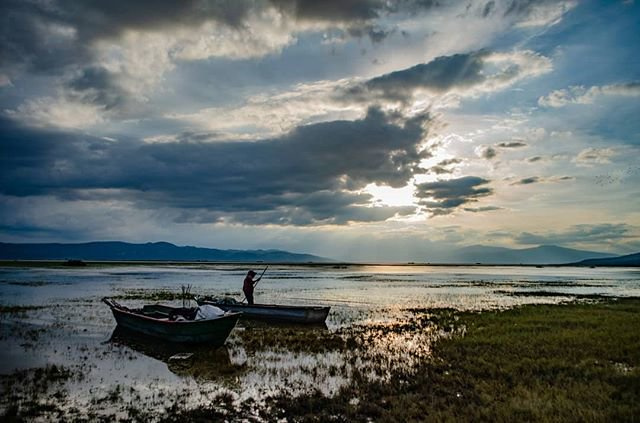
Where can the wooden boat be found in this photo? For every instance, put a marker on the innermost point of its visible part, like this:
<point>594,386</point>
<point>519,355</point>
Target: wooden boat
<point>160,321</point>
<point>271,312</point>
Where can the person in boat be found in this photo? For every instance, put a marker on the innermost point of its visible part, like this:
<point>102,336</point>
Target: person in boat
<point>248,285</point>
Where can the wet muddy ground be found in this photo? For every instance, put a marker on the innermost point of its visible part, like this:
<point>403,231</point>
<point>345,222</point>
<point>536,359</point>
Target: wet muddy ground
<point>62,357</point>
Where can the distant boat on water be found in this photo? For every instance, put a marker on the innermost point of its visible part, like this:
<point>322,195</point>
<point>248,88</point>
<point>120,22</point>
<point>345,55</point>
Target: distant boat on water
<point>174,324</point>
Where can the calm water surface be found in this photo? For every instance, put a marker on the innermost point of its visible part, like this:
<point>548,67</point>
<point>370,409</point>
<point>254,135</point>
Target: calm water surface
<point>74,329</point>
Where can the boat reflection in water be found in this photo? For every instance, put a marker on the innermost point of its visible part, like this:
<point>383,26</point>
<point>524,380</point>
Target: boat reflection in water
<point>203,362</point>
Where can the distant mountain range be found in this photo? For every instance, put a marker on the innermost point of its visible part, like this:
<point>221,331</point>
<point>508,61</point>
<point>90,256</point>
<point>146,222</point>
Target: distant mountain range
<point>628,260</point>
<point>164,251</point>
<point>544,254</point>
<point>114,250</point>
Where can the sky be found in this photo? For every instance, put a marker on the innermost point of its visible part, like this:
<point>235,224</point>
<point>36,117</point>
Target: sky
<point>352,129</point>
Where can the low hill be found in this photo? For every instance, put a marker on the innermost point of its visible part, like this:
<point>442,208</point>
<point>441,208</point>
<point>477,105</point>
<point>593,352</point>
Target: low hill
<point>543,254</point>
<point>631,260</point>
<point>124,251</point>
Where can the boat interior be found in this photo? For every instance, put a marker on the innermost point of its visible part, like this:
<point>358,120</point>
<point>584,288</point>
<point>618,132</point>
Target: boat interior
<point>159,311</point>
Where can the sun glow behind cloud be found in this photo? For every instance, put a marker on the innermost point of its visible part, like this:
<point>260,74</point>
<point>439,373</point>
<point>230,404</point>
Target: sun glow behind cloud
<point>389,196</point>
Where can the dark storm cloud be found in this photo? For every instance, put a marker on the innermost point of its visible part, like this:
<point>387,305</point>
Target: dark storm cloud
<point>512,144</point>
<point>50,36</point>
<point>581,233</point>
<point>443,197</point>
<point>352,11</point>
<point>332,10</point>
<point>96,85</point>
<point>26,38</point>
<point>439,75</point>
<point>304,177</point>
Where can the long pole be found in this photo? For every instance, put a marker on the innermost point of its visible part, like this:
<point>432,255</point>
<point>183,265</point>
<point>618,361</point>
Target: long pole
<point>262,274</point>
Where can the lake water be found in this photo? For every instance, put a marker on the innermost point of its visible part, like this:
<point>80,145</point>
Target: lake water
<point>113,371</point>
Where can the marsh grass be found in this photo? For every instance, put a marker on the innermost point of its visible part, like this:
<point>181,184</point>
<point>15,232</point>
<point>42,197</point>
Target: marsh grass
<point>17,309</point>
<point>572,362</point>
<point>33,393</point>
<point>553,294</point>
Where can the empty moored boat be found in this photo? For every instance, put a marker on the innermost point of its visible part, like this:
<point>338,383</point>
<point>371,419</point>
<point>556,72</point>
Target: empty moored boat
<point>271,312</point>
<point>174,324</point>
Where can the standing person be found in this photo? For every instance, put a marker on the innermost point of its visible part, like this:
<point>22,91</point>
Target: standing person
<point>249,283</point>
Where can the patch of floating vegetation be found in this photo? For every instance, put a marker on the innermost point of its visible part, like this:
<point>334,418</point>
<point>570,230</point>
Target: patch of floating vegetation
<point>553,294</point>
<point>18,309</point>
<point>34,283</point>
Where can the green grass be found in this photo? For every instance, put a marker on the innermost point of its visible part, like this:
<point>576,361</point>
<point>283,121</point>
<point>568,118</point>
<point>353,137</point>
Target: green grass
<point>573,362</point>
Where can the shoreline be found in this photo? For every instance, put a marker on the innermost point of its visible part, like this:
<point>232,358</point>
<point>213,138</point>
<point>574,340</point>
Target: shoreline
<point>336,265</point>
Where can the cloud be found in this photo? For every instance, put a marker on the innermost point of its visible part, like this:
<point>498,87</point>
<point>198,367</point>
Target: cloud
<point>439,75</point>
<point>593,156</point>
<point>354,10</point>
<point>448,162</point>
<point>5,81</point>
<point>468,74</point>
<point>547,13</point>
<point>444,197</point>
<point>50,36</point>
<point>442,167</point>
<point>114,56</point>
<point>528,181</point>
<point>311,175</point>
<point>482,209</point>
<point>582,95</point>
<point>511,144</point>
<point>486,152</point>
<point>277,113</point>
<point>539,179</point>
<point>460,74</point>
<point>584,233</point>
<point>59,112</point>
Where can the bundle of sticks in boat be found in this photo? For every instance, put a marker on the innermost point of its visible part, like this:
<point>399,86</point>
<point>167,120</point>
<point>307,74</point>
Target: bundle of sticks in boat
<point>186,295</point>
